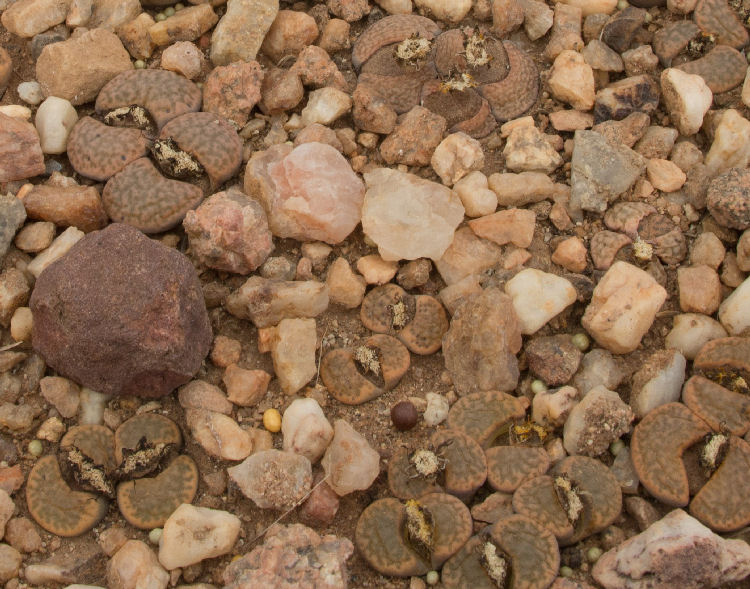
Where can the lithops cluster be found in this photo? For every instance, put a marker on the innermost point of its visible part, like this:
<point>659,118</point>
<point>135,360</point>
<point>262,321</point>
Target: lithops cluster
<point>694,449</point>
<point>153,111</point>
<point>112,465</point>
<point>470,78</point>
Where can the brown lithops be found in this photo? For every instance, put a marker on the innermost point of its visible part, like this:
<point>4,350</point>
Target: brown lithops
<point>723,503</point>
<point>355,376</point>
<point>518,91</point>
<point>665,237</point>
<point>418,321</point>
<point>715,17</point>
<point>484,416</point>
<point>409,539</point>
<point>555,504</point>
<point>89,452</point>
<point>55,506</point>
<point>391,29</point>
<point>509,466</point>
<point>452,462</point>
<point>722,68</point>
<point>140,196</point>
<point>98,151</point>
<point>515,553</point>
<point>723,410</point>
<point>604,247</point>
<point>207,138</point>
<point>163,94</point>
<point>727,361</point>
<point>143,440</point>
<point>656,449</point>
<point>146,503</point>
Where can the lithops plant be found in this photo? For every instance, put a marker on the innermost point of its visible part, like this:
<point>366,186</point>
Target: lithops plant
<point>55,506</point>
<point>419,321</point>
<point>406,539</point>
<point>726,361</point>
<point>89,452</point>
<point>143,441</point>
<point>485,416</point>
<point>354,376</point>
<point>155,95</point>
<point>515,553</point>
<point>723,410</point>
<point>452,462</point>
<point>146,503</point>
<point>509,466</point>
<point>468,77</point>
<point>650,231</point>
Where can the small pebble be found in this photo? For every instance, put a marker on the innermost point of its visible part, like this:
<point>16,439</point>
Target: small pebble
<point>155,535</point>
<point>404,415</point>
<point>272,420</point>
<point>616,447</point>
<point>581,341</point>
<point>35,448</point>
<point>437,409</point>
<point>169,11</point>
<point>593,554</point>
<point>139,64</point>
<point>160,17</point>
<point>622,4</point>
<point>179,6</point>
<point>538,386</point>
<point>566,572</point>
<point>432,578</point>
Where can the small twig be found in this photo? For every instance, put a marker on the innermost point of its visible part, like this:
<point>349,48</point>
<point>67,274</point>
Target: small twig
<point>320,356</point>
<point>288,511</point>
<point>10,346</point>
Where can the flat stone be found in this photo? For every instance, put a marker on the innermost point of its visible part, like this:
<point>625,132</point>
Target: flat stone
<point>122,270</point>
<point>601,171</point>
<point>293,348</point>
<point>468,255</point>
<point>67,206</point>
<point>514,226</point>
<point>595,422</point>
<point>192,534</point>
<point>414,139</point>
<point>699,288</point>
<point>350,463</point>
<point>408,217</point>
<point>78,68</point>
<point>233,90</point>
<point>623,307</point>
<point>728,198</point>
<point>677,551</point>
<point>185,25</point>
<point>21,154</point>
<point>240,32</point>
<point>219,435</point>
<point>245,387</point>
<point>273,479</point>
<point>27,18</point>
<point>538,297</point>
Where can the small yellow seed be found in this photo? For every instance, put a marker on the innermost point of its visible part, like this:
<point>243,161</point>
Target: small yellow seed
<point>272,420</point>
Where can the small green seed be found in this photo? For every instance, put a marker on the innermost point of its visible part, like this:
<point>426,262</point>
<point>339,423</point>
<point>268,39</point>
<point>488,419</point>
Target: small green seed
<point>432,578</point>
<point>155,535</point>
<point>36,448</point>
<point>622,4</point>
<point>593,554</point>
<point>581,341</point>
<point>179,6</point>
<point>616,447</point>
<point>648,18</point>
<point>538,387</point>
<point>160,17</point>
<point>140,64</point>
<point>169,11</point>
<point>566,572</point>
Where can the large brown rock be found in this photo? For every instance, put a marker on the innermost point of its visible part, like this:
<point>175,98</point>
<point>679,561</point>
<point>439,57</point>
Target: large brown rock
<point>121,314</point>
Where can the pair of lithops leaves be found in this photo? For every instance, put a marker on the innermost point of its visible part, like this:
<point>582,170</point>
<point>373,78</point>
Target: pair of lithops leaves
<point>402,323</point>
<point>411,538</point>
<point>105,465</point>
<point>467,76</point>
<point>696,448</point>
<point>638,223</point>
<point>142,112</point>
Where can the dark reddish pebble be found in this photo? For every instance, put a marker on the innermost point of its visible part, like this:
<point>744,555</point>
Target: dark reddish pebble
<point>404,415</point>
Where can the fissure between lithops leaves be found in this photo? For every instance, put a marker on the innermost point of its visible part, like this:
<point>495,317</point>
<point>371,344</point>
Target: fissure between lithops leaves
<point>420,529</point>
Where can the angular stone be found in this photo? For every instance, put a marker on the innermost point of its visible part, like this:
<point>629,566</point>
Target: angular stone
<point>731,144</point>
<point>305,429</point>
<point>219,435</point>
<point>57,249</point>
<point>572,80</point>
<point>699,288</point>
<point>468,255</point>
<point>677,551</point>
<point>623,307</point>
<point>266,302</point>
<point>192,534</point>
<point>554,359</point>
<point>481,345</point>
<point>232,91</point>
<point>326,210</point>
<point>229,232</point>
<point>122,314</point>
<point>62,393</point>
<point>457,155</point>
<point>67,206</point>
<point>345,288</point>
<point>78,68</point>
<point>734,312</point>
<point>595,422</point>
<point>514,226</point>
<point>408,217</point>
<point>658,382</point>
<point>691,331</point>
<point>186,25</point>
<point>135,38</point>
<point>538,297</point>
<point>527,150</point>
<point>621,98</point>
<point>728,198</point>
<point>27,18</point>
<point>687,98</point>
<point>184,58</point>
<point>135,565</point>
<point>245,387</point>
<point>350,463</point>
<point>475,194</point>
<point>290,32</point>
<point>601,171</point>
<point>414,139</point>
<point>21,154</point>
<point>240,32</point>
<point>293,348</point>
<point>273,479</point>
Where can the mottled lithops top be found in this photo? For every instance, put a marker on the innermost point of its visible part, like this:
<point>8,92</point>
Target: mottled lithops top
<point>165,95</point>
<point>121,314</point>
